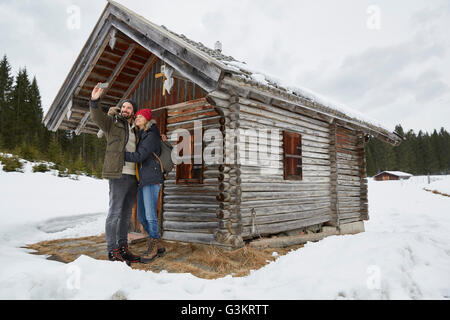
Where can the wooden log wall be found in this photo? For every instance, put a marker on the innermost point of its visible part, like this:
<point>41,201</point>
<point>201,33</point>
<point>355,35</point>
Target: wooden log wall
<point>333,183</point>
<point>270,204</point>
<point>351,186</point>
<point>190,210</point>
<point>229,198</point>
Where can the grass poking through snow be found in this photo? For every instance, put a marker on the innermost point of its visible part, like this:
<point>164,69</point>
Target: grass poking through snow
<point>208,262</point>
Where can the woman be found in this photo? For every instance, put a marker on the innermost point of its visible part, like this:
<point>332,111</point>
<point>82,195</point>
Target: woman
<point>150,180</point>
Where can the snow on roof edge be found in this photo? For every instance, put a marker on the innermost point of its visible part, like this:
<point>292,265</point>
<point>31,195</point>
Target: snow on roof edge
<point>270,81</point>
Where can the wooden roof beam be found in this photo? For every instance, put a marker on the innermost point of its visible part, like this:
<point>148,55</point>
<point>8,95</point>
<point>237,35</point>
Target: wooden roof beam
<point>132,64</point>
<point>83,122</point>
<point>69,109</point>
<point>83,103</point>
<point>120,66</point>
<point>136,58</point>
<point>144,71</point>
<point>119,53</point>
<point>102,78</point>
<point>100,66</point>
<point>112,62</point>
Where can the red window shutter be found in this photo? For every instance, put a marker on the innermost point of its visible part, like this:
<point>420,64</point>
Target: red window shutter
<point>189,173</point>
<point>292,144</point>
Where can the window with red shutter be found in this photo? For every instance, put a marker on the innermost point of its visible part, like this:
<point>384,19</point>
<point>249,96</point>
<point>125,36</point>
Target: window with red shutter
<point>292,155</point>
<point>190,173</point>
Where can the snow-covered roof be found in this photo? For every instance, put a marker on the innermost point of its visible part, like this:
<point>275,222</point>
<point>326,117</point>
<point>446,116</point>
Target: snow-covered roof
<point>241,72</point>
<point>396,173</point>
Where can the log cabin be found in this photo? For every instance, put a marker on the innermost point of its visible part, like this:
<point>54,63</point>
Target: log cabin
<point>311,174</point>
<point>392,175</point>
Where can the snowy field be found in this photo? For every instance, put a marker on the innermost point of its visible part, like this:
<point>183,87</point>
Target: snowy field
<point>404,253</point>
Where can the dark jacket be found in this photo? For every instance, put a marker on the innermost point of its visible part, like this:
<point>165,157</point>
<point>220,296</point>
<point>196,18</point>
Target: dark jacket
<point>116,131</point>
<point>149,168</point>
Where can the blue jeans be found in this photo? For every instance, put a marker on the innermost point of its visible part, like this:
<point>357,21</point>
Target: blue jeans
<point>147,209</point>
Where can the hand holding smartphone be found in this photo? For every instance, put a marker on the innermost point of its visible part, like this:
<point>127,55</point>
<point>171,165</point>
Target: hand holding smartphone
<point>98,90</point>
<point>103,85</point>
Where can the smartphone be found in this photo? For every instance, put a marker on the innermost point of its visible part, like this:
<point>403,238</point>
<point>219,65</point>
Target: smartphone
<point>103,85</point>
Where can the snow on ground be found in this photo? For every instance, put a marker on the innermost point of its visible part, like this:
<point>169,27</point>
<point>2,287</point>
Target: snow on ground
<point>441,185</point>
<point>404,253</point>
<point>32,197</point>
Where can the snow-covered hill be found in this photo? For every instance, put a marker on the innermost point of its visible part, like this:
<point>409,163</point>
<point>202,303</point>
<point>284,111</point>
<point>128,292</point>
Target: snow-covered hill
<point>404,253</point>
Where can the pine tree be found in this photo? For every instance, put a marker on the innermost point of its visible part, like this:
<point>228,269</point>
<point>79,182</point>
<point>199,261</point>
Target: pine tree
<point>2,143</point>
<point>6,83</point>
<point>22,116</point>
<point>370,166</point>
<point>436,156</point>
<point>445,146</point>
<point>39,134</point>
<point>98,169</point>
<point>420,150</point>
<point>403,152</point>
<point>391,160</point>
<point>79,165</point>
<point>431,164</point>
<point>411,141</point>
<point>54,153</point>
<point>382,156</point>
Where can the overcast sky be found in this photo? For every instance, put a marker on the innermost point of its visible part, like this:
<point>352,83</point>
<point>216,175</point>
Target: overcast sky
<point>387,59</point>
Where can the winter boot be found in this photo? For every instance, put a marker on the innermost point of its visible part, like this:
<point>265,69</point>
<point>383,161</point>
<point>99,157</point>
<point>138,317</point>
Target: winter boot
<point>161,249</point>
<point>152,251</point>
<point>127,255</point>
<point>114,255</point>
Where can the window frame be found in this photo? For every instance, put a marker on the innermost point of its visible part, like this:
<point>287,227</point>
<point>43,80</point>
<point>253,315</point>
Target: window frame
<point>292,140</point>
<point>181,168</point>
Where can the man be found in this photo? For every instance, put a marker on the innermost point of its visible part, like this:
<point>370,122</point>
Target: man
<point>121,138</point>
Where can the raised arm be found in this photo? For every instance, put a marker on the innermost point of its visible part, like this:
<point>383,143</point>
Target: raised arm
<point>101,119</point>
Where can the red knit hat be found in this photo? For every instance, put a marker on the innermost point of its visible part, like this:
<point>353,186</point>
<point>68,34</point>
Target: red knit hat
<point>146,113</point>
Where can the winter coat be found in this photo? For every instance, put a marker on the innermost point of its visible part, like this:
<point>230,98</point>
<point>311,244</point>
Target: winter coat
<point>116,130</point>
<point>149,168</point>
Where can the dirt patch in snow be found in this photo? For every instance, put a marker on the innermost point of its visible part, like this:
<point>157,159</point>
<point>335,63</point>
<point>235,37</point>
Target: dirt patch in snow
<point>437,192</point>
<point>208,262</point>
